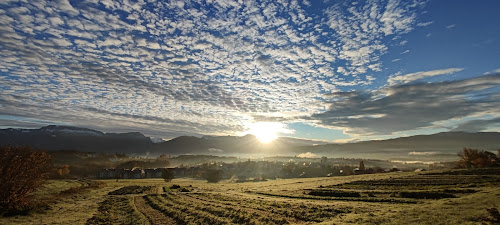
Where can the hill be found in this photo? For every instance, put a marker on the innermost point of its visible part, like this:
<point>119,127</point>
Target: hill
<point>440,146</point>
<point>63,137</point>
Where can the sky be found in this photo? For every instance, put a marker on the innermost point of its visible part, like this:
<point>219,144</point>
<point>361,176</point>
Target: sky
<point>328,70</point>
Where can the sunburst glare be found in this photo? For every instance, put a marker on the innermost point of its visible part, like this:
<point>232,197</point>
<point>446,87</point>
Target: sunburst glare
<point>266,132</point>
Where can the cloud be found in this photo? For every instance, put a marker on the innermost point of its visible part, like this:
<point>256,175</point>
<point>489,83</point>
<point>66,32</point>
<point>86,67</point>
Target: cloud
<point>188,66</point>
<point>361,28</point>
<point>66,7</point>
<point>215,150</point>
<point>424,24</point>
<point>308,155</point>
<point>424,153</point>
<point>451,26</point>
<point>478,125</point>
<point>411,106</point>
<point>407,78</point>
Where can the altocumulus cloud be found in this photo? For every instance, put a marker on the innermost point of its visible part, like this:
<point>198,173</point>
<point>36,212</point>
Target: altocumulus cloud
<point>189,66</point>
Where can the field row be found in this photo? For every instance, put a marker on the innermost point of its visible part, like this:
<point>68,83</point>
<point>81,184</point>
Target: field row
<point>208,208</point>
<point>218,209</point>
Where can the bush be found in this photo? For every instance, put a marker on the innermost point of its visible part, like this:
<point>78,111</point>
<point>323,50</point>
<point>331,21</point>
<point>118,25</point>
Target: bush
<point>22,171</point>
<point>175,186</point>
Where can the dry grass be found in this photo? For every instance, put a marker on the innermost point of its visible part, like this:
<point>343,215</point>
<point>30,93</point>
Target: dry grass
<point>468,208</point>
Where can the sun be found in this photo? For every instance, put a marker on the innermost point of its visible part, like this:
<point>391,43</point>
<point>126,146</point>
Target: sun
<point>266,132</point>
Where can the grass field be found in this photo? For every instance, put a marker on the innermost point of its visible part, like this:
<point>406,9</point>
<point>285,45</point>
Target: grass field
<point>457,197</point>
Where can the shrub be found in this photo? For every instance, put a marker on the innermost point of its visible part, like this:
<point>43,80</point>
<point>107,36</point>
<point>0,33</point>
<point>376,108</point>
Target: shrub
<point>175,186</point>
<point>22,171</point>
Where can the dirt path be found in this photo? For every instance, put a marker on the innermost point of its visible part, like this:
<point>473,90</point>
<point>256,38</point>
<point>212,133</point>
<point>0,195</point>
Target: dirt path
<point>154,216</point>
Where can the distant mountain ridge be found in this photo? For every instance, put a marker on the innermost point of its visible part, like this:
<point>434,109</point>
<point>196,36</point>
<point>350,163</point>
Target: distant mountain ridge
<point>444,143</point>
<point>83,139</point>
<point>64,137</point>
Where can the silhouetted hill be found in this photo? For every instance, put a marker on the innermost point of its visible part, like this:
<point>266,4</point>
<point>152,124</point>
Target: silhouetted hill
<point>433,145</point>
<point>63,137</point>
<point>440,145</point>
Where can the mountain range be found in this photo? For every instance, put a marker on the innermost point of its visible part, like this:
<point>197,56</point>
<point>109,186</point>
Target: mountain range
<point>421,147</point>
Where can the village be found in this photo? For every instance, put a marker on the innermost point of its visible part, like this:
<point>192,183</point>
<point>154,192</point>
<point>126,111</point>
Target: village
<point>250,170</point>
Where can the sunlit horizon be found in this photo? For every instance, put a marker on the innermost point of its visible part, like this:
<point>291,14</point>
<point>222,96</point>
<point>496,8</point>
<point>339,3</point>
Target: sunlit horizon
<point>266,132</point>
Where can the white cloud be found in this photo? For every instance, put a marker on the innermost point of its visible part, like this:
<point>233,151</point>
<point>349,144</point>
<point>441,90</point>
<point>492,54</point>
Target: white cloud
<point>451,26</point>
<point>176,66</point>
<point>307,155</point>
<point>56,21</point>
<point>66,7</point>
<point>406,78</point>
<point>424,24</point>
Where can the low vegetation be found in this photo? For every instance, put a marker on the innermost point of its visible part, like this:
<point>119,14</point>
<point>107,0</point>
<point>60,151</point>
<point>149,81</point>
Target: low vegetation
<point>384,198</point>
<point>334,193</point>
<point>425,195</point>
<point>131,190</point>
<point>117,210</point>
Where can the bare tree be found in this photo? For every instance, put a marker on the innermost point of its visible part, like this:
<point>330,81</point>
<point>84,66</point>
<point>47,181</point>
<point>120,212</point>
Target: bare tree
<point>22,171</point>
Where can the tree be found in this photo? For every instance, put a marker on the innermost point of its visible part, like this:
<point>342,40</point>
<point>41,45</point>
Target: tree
<point>473,158</point>
<point>168,175</point>
<point>22,171</point>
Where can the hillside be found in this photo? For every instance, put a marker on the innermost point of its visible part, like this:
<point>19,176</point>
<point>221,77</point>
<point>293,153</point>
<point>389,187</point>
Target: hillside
<point>63,137</point>
<point>440,146</point>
